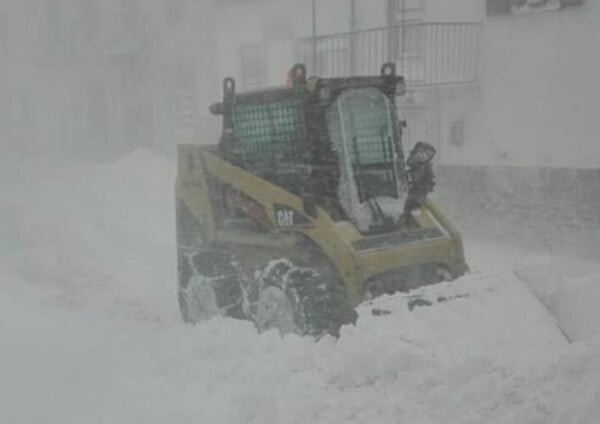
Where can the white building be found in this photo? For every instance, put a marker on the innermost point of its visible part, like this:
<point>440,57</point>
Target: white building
<point>505,82</point>
<point>102,78</point>
<point>540,86</point>
<point>491,81</point>
<point>266,31</point>
<point>435,47</point>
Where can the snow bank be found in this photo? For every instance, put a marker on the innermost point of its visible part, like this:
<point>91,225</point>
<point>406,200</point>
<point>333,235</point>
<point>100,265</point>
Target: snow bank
<point>430,366</point>
<point>570,289</point>
<point>550,209</point>
<point>99,237</point>
<point>90,329</point>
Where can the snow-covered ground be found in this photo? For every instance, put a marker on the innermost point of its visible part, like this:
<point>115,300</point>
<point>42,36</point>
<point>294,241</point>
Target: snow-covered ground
<point>90,331</point>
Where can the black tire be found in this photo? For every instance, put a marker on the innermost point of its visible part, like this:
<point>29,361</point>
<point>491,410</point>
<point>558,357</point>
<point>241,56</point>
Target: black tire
<point>208,282</point>
<point>319,304</point>
<point>209,285</point>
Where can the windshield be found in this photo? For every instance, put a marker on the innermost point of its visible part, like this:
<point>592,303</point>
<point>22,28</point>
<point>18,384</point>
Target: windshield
<point>361,128</point>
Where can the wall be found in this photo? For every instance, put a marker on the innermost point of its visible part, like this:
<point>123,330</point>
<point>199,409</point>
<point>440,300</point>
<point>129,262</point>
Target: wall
<point>535,105</point>
<point>370,14</point>
<point>541,89</point>
<point>448,117</point>
<point>454,11</point>
<point>244,23</point>
<point>274,25</point>
<point>98,79</point>
<point>373,13</point>
<point>535,102</point>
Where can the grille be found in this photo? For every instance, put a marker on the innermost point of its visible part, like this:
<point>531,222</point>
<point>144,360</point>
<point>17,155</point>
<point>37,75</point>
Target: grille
<point>360,120</point>
<point>271,136</point>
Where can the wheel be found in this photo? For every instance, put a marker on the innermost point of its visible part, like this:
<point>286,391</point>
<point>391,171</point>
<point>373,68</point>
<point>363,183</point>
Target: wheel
<point>300,300</point>
<point>208,281</point>
<point>274,310</point>
<point>209,285</point>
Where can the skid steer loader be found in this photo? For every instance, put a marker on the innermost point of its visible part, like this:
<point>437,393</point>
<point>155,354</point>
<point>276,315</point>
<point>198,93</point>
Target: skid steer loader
<point>307,205</point>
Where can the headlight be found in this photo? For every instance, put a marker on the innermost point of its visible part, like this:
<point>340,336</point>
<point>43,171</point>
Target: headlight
<point>421,154</point>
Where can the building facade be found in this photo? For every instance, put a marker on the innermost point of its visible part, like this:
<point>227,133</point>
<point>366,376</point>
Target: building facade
<point>99,79</point>
<point>503,82</point>
<point>435,47</point>
<point>506,82</point>
<point>539,82</point>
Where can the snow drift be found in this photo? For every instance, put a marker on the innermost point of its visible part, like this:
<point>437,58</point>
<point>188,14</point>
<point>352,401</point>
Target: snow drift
<point>90,330</point>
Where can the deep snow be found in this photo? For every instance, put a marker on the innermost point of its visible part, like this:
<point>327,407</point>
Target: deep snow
<point>90,332</point>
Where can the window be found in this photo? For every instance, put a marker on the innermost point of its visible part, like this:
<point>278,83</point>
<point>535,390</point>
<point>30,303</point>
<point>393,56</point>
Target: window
<point>55,26</point>
<point>567,3</point>
<point>124,26</point>
<point>361,129</point>
<point>506,7</point>
<point>90,23</point>
<point>498,7</point>
<point>457,133</point>
<point>175,11</point>
<point>409,11</point>
<point>271,135</point>
<point>97,109</point>
<point>254,66</point>
<point>523,6</point>
<point>278,29</point>
<point>333,57</point>
<point>64,28</point>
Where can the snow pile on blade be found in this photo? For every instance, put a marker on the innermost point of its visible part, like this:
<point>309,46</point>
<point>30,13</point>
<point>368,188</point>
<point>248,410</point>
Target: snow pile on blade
<point>90,329</point>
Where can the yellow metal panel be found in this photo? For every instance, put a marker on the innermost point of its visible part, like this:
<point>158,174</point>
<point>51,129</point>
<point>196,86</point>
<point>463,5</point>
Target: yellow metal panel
<point>192,188</point>
<point>331,238</point>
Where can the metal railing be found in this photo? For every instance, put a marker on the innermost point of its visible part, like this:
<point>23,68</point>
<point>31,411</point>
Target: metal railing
<point>425,53</point>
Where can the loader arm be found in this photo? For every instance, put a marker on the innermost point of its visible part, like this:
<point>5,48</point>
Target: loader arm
<point>198,164</point>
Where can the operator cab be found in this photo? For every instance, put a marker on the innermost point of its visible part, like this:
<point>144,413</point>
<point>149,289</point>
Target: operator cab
<point>364,131</point>
<point>335,142</point>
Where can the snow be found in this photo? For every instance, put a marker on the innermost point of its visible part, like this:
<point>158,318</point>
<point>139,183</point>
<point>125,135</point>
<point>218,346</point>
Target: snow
<point>569,292</point>
<point>90,331</point>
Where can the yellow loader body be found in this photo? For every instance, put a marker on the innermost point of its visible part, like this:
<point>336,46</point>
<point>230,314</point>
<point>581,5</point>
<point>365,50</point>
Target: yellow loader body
<point>356,258</point>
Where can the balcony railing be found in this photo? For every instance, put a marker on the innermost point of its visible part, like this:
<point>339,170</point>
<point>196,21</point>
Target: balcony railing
<point>425,53</point>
